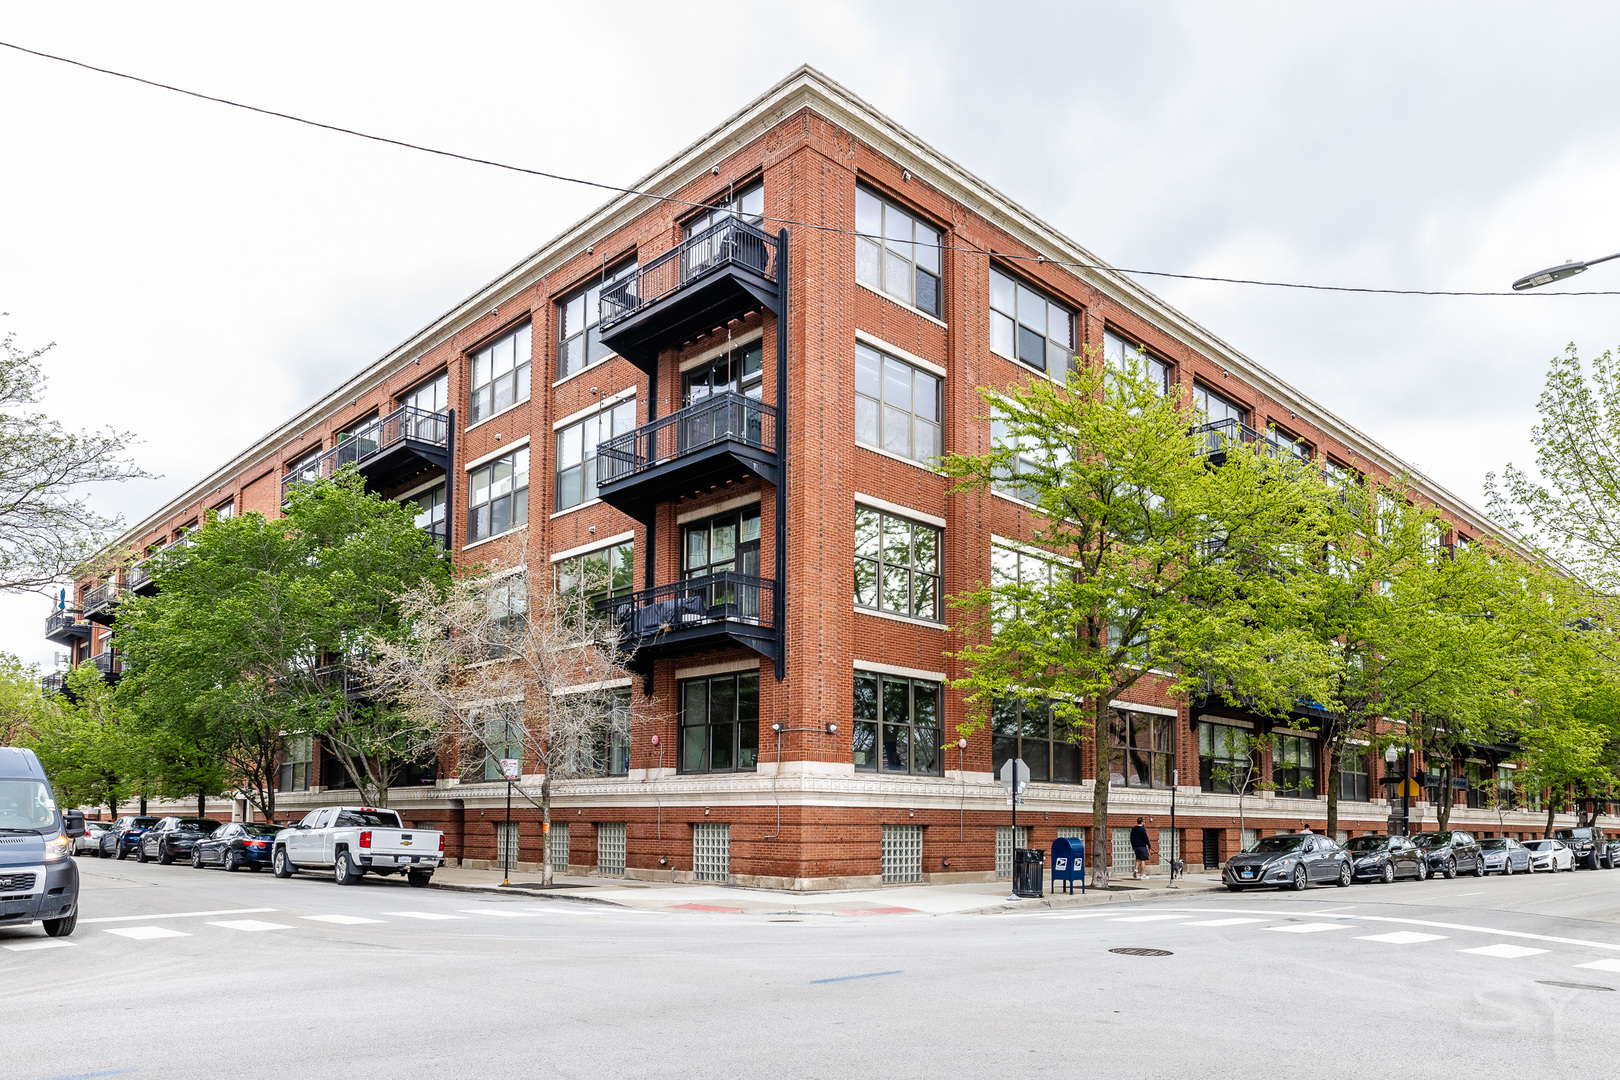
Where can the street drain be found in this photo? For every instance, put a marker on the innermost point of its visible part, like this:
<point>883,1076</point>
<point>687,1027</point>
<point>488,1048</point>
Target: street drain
<point>1574,986</point>
<point>1142,952</point>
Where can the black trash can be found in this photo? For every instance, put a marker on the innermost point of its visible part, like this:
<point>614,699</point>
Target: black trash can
<point>1029,872</point>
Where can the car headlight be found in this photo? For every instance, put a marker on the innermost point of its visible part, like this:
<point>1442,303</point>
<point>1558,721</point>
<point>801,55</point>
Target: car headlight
<point>58,848</point>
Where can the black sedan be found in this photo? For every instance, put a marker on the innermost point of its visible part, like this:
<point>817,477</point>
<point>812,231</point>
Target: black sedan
<point>119,840</point>
<point>235,845</point>
<point>1451,853</point>
<point>1385,858</point>
<point>1288,861</point>
<point>172,838</point>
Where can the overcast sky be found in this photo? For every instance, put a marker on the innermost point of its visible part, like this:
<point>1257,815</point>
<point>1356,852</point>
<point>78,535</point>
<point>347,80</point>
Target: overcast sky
<point>206,272</point>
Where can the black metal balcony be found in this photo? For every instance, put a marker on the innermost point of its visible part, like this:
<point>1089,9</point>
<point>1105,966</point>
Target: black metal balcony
<point>698,614</point>
<point>64,626</point>
<point>721,439</point>
<point>109,663</point>
<point>138,579</point>
<point>100,602</point>
<point>709,279</point>
<point>1220,436</point>
<point>389,452</point>
<point>54,683</point>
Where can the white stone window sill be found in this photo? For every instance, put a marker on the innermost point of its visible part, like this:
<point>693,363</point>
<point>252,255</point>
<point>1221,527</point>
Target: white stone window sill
<point>897,302</point>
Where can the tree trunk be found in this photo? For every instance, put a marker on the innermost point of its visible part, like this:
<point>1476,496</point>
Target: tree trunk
<point>545,829</point>
<point>1547,835</point>
<point>1329,758</point>
<point>1102,844</point>
<point>1442,805</point>
<point>202,805</point>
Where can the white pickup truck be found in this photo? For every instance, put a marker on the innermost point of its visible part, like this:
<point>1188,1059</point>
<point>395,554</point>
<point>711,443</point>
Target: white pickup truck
<point>357,840</point>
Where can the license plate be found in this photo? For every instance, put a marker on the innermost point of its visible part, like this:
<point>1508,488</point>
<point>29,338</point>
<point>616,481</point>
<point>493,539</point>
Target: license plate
<point>1247,873</point>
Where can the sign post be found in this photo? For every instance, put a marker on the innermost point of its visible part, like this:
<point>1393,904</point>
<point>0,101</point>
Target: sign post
<point>1015,778</point>
<point>510,769</point>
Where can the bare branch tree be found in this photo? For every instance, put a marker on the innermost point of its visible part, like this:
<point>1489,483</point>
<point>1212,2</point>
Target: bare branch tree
<point>502,665</point>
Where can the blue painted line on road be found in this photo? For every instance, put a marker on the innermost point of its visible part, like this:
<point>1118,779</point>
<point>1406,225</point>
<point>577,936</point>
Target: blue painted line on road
<point>841,978</point>
<point>92,1076</point>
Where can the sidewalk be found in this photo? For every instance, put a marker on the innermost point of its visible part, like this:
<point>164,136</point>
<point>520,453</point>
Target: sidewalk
<point>987,897</point>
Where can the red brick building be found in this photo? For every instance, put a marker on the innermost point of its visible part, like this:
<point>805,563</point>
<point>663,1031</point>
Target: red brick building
<point>728,399</point>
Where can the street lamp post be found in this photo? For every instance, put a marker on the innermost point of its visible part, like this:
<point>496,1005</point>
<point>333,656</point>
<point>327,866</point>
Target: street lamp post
<point>1390,754</point>
<point>1558,273</point>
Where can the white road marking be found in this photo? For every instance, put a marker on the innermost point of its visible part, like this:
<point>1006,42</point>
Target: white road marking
<point>1149,918</point>
<point>1602,965</point>
<point>1307,928</point>
<point>1081,915</point>
<point>46,943</point>
<point>179,915</point>
<point>1506,952</point>
<point>146,933</point>
<point>1225,922</point>
<point>505,914</point>
<point>251,924</point>
<point>339,920</point>
<point>420,915</point>
<point>1403,937</point>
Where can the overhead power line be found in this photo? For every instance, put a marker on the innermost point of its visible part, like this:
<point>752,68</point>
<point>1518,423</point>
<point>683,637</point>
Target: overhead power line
<point>617,189</point>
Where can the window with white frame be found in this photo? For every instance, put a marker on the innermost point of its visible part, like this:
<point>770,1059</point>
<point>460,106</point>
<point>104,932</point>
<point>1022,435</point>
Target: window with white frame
<point>1023,574</point>
<point>897,724</point>
<point>225,510</point>
<point>896,564</point>
<point>897,253</point>
<point>498,496</point>
<point>430,511</point>
<point>1027,459</point>
<point>579,316</point>
<point>1215,407</point>
<point>748,204</point>
<point>431,396</point>
<point>508,600</point>
<point>897,406</point>
<point>1027,327</point>
<point>607,571</point>
<point>297,752</point>
<point>502,729</point>
<point>1122,355</point>
<point>576,451</point>
<point>500,375</point>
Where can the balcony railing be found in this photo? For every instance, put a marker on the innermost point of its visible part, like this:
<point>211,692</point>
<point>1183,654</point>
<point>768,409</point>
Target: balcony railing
<point>1217,436</point>
<point>99,600</point>
<point>726,416</point>
<point>138,577</point>
<point>108,662</point>
<point>54,683</point>
<point>406,423</point>
<point>694,603</point>
<point>729,242</point>
<point>64,625</point>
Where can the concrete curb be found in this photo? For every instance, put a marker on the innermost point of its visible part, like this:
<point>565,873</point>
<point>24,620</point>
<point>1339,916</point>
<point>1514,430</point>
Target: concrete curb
<point>1094,898</point>
<point>532,894</point>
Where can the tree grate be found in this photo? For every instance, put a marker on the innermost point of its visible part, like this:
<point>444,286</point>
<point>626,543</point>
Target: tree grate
<point>1142,952</point>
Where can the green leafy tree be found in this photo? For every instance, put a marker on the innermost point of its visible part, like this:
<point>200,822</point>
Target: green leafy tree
<point>1148,563</point>
<point>21,704</point>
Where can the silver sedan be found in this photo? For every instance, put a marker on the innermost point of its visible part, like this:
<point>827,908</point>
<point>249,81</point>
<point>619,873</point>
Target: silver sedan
<point>1505,855</point>
<point>1553,855</point>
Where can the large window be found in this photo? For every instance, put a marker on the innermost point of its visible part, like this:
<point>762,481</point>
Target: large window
<point>1028,730</point>
<point>739,371</point>
<point>1027,458</point>
<point>1026,326</point>
<point>1353,782</point>
<point>500,375</point>
<point>612,746</point>
<point>502,728</point>
<point>897,406</point>
<point>896,253</point>
<point>1139,749</point>
<point>896,724</point>
<point>432,396</point>
<point>1215,408</point>
<point>1030,574</point>
<point>720,723</point>
<point>748,204</point>
<point>498,496</point>
<point>576,451</point>
<point>307,468</point>
<point>579,334</point>
<point>430,516</point>
<point>896,564</point>
<point>1225,763</point>
<point>1293,766</point>
<point>608,571</point>
<point>297,751</point>
<point>508,600</point>
<point>1123,355</point>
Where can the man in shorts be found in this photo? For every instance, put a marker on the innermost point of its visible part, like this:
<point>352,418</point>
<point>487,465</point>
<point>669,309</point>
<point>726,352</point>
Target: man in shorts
<point>1142,847</point>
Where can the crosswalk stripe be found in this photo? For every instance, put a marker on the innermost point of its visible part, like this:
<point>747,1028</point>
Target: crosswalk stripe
<point>1224,922</point>
<point>1506,952</point>
<point>1602,965</point>
<point>251,925</point>
<point>145,933</point>
<point>1150,918</point>
<point>340,920</point>
<point>1307,928</point>
<point>1403,937</point>
<point>44,943</point>
<point>420,915</point>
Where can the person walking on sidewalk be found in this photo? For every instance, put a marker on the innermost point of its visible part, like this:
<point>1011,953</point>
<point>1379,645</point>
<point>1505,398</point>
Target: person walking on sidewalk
<point>1142,846</point>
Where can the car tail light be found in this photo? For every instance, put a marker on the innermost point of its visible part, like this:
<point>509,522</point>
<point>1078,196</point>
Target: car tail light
<point>441,841</point>
<point>365,838</point>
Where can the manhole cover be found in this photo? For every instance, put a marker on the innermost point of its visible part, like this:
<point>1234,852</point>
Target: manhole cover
<point>1573,986</point>
<point>1142,952</point>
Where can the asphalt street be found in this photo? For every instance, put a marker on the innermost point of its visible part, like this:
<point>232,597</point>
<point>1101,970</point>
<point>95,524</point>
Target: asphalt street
<point>176,973</point>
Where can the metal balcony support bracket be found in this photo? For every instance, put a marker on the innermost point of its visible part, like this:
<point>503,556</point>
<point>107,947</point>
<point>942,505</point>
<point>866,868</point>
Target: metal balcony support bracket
<point>779,599</point>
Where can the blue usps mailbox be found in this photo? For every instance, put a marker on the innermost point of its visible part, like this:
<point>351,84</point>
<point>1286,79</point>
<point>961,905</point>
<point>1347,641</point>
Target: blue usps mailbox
<point>1068,864</point>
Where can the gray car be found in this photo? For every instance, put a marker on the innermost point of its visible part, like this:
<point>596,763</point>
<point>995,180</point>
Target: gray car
<point>1288,861</point>
<point>1505,855</point>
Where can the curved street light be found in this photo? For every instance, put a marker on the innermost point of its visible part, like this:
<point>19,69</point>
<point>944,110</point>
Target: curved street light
<point>1558,273</point>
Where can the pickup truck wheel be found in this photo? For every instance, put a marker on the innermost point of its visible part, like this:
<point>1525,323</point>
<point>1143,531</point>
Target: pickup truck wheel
<point>419,879</point>
<point>282,865</point>
<point>61,927</point>
<point>344,872</point>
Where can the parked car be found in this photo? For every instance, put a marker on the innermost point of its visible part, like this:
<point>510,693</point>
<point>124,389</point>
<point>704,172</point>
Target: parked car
<point>1551,855</point>
<point>1451,853</point>
<point>1589,845</point>
<point>1505,855</point>
<point>120,839</point>
<point>172,838</point>
<point>1385,858</point>
<point>90,842</point>
<point>1289,861</point>
<point>241,843</point>
<point>358,840</point>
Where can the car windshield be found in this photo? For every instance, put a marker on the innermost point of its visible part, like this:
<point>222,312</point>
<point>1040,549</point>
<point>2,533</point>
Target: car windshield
<point>1493,845</point>
<point>1539,845</point>
<point>262,830</point>
<point>1368,843</point>
<point>203,825</point>
<point>142,822</point>
<point>26,806</point>
<point>1270,845</point>
<point>1573,834</point>
<point>1432,839</point>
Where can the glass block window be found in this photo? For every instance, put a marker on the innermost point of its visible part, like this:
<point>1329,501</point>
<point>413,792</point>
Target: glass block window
<point>1005,842</point>
<point>896,564</point>
<point>506,843</point>
<point>557,847</point>
<point>610,848</point>
<point>1121,856</point>
<point>576,451</point>
<point>896,725</point>
<point>579,316</point>
<point>1028,730</point>
<point>897,406</point>
<point>896,253</point>
<point>902,854</point>
<point>1122,355</point>
<point>1026,326</point>
<point>1169,847</point>
<point>719,718</point>
<point>498,496</point>
<point>711,852</point>
<point>500,375</point>
<point>1250,838</point>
